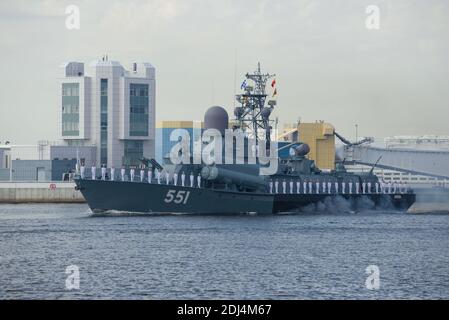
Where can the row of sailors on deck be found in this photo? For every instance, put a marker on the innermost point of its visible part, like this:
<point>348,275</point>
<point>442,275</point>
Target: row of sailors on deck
<point>274,186</point>
<point>317,187</point>
<point>143,176</point>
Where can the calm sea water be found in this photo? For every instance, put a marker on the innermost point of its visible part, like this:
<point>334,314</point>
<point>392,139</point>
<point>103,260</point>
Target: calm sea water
<point>308,256</point>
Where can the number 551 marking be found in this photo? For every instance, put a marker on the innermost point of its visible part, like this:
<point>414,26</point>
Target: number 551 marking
<point>179,197</point>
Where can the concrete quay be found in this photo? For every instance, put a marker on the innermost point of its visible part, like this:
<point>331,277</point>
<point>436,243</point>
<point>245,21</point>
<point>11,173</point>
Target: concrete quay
<point>39,192</point>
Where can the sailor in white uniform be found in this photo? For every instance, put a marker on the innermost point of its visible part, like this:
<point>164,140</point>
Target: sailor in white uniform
<point>336,187</point>
<point>167,177</point>
<point>343,187</point>
<point>175,179</point>
<point>191,179</point>
<point>369,187</point>
<point>329,187</point>
<point>158,176</point>
<point>150,175</point>
<point>103,172</point>
<point>350,187</point>
<point>93,171</point>
<point>131,173</point>
<point>122,173</point>
<point>357,187</point>
<point>310,187</point>
<point>284,186</point>
<point>183,179</point>
<point>271,186</point>
<point>324,186</point>
<point>317,186</point>
<point>291,186</point>
<point>198,179</point>
<point>142,175</point>
<point>364,187</point>
<point>304,187</point>
<point>276,186</point>
<point>112,173</point>
<point>377,187</point>
<point>298,185</point>
<point>83,170</point>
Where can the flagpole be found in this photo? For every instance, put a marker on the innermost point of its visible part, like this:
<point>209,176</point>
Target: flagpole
<point>235,76</point>
<point>77,161</point>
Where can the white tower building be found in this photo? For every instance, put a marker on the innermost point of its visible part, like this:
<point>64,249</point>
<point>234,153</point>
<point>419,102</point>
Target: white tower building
<point>111,108</point>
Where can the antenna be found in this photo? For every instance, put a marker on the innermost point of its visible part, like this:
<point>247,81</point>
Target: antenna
<point>372,168</point>
<point>253,115</point>
<point>235,74</point>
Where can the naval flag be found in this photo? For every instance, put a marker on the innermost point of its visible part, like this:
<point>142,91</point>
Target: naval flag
<point>243,85</point>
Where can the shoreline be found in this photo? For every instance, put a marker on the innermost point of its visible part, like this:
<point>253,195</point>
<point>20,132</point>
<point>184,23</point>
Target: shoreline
<point>39,192</point>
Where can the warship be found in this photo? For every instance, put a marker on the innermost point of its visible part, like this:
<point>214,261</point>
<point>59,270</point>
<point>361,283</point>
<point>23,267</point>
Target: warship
<point>246,184</point>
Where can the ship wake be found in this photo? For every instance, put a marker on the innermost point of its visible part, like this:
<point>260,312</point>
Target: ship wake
<point>119,213</point>
<point>338,205</point>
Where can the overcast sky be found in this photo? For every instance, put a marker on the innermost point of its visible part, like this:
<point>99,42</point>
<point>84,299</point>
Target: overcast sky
<point>391,81</point>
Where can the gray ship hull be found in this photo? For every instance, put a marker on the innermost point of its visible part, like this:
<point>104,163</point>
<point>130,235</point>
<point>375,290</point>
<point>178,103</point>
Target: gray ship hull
<point>160,198</point>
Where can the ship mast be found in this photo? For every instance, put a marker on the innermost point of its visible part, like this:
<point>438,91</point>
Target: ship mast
<point>252,116</point>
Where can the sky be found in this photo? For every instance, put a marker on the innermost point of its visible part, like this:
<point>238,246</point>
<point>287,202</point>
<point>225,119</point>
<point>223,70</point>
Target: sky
<point>329,66</point>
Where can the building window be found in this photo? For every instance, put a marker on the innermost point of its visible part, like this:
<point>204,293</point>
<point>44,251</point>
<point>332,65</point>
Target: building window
<point>70,109</point>
<point>133,152</point>
<point>104,121</point>
<point>104,87</point>
<point>138,109</point>
<point>143,92</point>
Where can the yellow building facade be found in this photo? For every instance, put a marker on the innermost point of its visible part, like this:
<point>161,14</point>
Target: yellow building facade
<point>319,136</point>
<point>321,140</point>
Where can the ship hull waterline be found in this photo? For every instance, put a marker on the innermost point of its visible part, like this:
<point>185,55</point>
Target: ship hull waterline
<point>144,197</point>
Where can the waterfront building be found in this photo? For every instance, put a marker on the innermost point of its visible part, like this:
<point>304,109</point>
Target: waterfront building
<point>109,107</point>
<point>45,161</point>
<point>415,160</point>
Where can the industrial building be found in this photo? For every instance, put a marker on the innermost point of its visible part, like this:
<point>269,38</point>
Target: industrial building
<point>4,162</point>
<point>319,135</point>
<point>416,160</point>
<point>109,107</point>
<point>165,128</point>
<point>44,161</point>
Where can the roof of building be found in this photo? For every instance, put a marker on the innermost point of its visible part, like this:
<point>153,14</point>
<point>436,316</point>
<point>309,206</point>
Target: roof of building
<point>104,63</point>
<point>178,124</point>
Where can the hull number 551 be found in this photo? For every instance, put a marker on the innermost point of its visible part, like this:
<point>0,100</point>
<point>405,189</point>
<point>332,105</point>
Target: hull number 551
<point>179,197</point>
